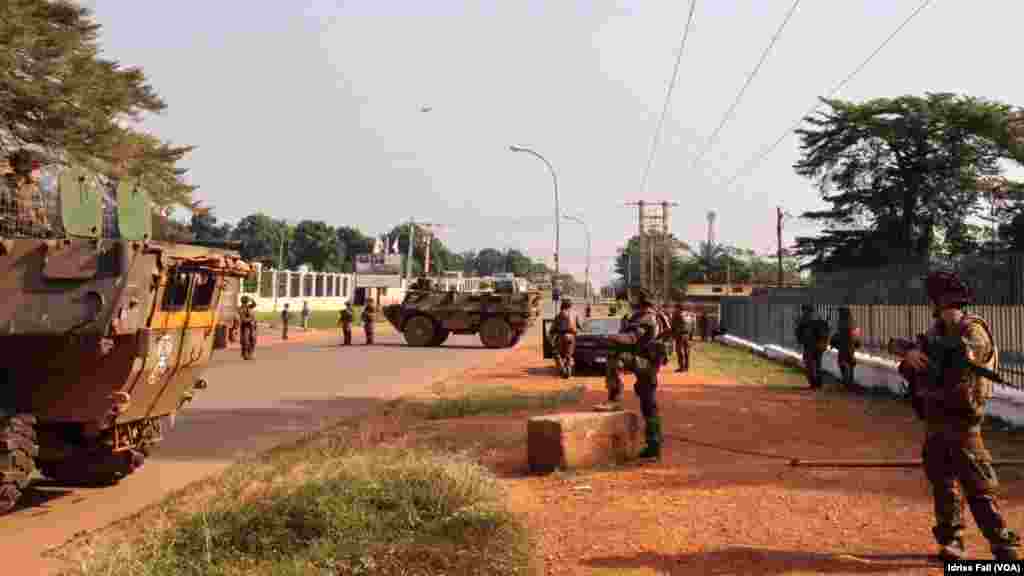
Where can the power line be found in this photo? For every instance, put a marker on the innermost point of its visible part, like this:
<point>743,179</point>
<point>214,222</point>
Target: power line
<point>668,96</point>
<point>750,79</point>
<point>757,159</point>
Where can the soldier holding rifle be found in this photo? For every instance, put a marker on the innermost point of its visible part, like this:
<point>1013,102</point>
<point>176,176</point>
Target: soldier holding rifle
<point>639,348</point>
<point>949,370</point>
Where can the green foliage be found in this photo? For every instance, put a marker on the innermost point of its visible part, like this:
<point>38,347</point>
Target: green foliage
<point>901,172</point>
<point>60,97</point>
<point>385,511</point>
<point>497,401</point>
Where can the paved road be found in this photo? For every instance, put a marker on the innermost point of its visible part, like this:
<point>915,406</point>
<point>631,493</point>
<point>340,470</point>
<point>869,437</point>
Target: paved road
<point>290,388</point>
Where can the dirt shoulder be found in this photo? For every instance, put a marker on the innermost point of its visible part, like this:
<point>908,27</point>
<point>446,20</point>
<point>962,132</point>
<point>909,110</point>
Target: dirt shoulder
<point>724,500</point>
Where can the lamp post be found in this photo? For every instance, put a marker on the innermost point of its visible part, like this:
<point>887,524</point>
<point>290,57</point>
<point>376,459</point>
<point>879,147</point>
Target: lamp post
<point>280,261</point>
<point>586,229</point>
<point>554,179</point>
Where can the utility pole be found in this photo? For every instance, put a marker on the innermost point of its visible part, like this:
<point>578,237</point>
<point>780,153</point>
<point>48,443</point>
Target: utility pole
<point>653,226</point>
<point>778,238</point>
<point>408,259</point>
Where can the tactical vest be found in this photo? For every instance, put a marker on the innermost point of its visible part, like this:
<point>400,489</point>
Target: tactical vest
<point>981,391</point>
<point>566,322</point>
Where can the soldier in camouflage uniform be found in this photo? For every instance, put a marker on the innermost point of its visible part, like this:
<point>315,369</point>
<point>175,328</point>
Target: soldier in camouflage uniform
<point>247,324</point>
<point>640,332</point>
<point>24,207</point>
<point>681,332</point>
<point>369,318</point>
<point>812,334</point>
<point>345,318</point>
<point>953,410</point>
<point>563,334</point>
<point>286,319</point>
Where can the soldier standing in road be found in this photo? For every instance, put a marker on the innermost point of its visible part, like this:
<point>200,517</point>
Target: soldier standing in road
<point>369,318</point>
<point>286,318</point>
<point>641,334</point>
<point>247,325</point>
<point>681,332</point>
<point>702,325</point>
<point>953,408</point>
<point>812,334</point>
<point>846,341</point>
<point>563,332</point>
<point>345,318</point>
<point>305,314</point>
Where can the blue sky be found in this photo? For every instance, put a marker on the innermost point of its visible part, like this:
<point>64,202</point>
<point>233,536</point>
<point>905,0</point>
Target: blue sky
<point>312,109</point>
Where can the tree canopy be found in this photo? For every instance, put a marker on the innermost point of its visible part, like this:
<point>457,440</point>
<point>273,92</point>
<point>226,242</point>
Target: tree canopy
<point>904,176</point>
<point>61,99</point>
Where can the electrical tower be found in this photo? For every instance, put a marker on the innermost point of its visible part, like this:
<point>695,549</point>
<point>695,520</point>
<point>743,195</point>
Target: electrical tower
<point>656,245</point>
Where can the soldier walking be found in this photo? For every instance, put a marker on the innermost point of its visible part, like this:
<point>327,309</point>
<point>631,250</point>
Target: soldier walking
<point>286,318</point>
<point>345,318</point>
<point>812,334</point>
<point>369,318</point>
<point>247,325</point>
<point>563,332</point>
<point>847,341</point>
<point>305,314</point>
<point>681,332</point>
<point>951,401</point>
<point>640,334</point>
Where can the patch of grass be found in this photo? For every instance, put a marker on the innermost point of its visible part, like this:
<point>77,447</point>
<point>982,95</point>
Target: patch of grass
<point>389,511</point>
<point>499,401</point>
<point>744,366</point>
<point>318,319</point>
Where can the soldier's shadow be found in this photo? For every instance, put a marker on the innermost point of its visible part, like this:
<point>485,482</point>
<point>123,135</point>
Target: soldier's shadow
<point>763,561</point>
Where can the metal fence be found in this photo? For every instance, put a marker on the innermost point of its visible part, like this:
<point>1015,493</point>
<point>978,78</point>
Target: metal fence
<point>772,319</point>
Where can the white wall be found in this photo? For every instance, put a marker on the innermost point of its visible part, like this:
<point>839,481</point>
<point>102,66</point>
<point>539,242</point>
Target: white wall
<point>874,372</point>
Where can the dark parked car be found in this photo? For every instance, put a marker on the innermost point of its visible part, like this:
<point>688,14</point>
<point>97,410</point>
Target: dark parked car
<point>588,354</point>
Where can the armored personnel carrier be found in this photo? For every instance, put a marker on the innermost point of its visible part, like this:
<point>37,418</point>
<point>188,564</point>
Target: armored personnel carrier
<point>105,332</point>
<point>427,316</point>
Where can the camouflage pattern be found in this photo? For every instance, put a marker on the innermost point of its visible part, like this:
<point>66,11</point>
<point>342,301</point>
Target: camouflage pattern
<point>429,317</point>
<point>563,331</point>
<point>847,340</point>
<point>247,325</point>
<point>812,334</point>
<point>286,319</point>
<point>681,331</point>
<point>954,451</point>
<point>643,326</point>
<point>369,320</point>
<point>345,319</point>
<point>23,206</point>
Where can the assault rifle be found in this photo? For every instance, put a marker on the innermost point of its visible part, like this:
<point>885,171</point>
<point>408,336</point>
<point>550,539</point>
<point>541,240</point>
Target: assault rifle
<point>943,352</point>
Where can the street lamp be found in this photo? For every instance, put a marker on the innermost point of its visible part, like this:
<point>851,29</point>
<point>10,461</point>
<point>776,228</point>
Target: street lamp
<point>586,229</point>
<point>280,259</point>
<point>554,179</point>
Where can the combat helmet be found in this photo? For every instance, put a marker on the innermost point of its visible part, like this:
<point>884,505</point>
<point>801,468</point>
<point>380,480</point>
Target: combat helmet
<point>566,304</point>
<point>946,289</point>
<point>245,300</point>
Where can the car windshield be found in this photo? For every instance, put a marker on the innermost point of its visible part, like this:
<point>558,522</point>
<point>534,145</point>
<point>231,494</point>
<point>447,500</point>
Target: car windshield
<point>601,326</point>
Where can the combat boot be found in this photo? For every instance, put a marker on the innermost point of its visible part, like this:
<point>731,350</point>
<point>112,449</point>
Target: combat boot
<point>1006,546</point>
<point>652,431</point>
<point>952,550</point>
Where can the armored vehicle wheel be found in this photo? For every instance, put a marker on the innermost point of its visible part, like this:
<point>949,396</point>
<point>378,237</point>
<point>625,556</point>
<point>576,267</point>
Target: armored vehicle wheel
<point>442,335</point>
<point>95,467</point>
<point>18,449</point>
<point>496,333</point>
<point>420,331</point>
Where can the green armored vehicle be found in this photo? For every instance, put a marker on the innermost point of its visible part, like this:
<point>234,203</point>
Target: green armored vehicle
<point>427,316</point>
<point>105,332</point>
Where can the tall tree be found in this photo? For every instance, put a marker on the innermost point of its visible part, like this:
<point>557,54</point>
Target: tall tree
<point>58,96</point>
<point>204,228</point>
<point>316,244</point>
<point>898,172</point>
<point>489,261</point>
<point>350,242</point>
<point>261,238</point>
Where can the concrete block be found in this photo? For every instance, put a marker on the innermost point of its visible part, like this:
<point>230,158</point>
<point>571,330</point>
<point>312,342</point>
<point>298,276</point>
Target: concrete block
<point>582,440</point>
